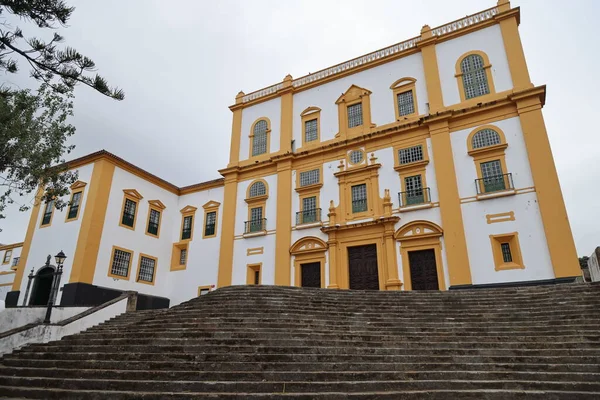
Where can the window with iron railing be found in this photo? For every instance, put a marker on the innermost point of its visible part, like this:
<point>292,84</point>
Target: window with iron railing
<point>210,223</point>
<point>311,177</point>
<point>259,140</point>
<point>308,216</point>
<point>255,225</point>
<point>311,132</point>
<point>120,263</point>
<point>359,198</point>
<point>146,271</point>
<point>186,231</point>
<point>494,183</point>
<point>355,117</point>
<point>128,218</point>
<point>414,197</point>
<point>153,222</point>
<point>410,155</point>
<point>406,104</point>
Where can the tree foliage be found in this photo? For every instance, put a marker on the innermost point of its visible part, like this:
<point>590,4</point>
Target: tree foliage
<point>60,69</point>
<point>583,261</point>
<point>33,137</point>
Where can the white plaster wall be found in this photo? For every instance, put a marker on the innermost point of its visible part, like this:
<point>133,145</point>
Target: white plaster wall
<point>378,80</point>
<point>241,259</point>
<point>532,240</point>
<point>517,161</point>
<point>11,318</point>
<point>270,212</point>
<point>137,240</point>
<point>60,235</point>
<point>47,333</point>
<point>270,109</point>
<point>488,40</point>
<point>594,267</point>
<point>203,254</point>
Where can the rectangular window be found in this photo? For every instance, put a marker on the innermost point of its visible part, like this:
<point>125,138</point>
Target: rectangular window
<point>203,291</point>
<point>48,212</point>
<point>355,117</point>
<point>413,190</point>
<point>253,274</point>
<point>186,231</point>
<point>7,255</point>
<point>359,198</point>
<point>310,130</point>
<point>410,155</point>
<point>120,263</point>
<point>309,210</point>
<point>128,218</point>
<point>74,206</point>
<point>146,271</point>
<point>153,222</point>
<point>506,254</point>
<point>406,105</point>
<point>182,256</point>
<point>210,223</point>
<point>15,262</point>
<point>311,177</point>
<point>493,180</point>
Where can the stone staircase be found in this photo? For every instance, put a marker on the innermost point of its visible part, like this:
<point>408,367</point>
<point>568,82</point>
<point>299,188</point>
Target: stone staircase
<point>257,342</point>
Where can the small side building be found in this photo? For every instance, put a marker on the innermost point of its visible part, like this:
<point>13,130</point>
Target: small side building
<point>594,265</point>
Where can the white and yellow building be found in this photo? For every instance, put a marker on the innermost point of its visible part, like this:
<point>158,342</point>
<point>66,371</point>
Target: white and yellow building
<point>423,165</point>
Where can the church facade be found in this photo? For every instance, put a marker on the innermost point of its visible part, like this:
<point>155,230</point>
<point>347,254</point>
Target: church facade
<point>425,165</point>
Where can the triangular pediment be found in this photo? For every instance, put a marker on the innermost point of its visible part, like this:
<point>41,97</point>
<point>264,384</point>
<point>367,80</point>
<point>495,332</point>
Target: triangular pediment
<point>211,204</point>
<point>188,209</point>
<point>133,193</point>
<point>354,92</point>
<point>308,244</point>
<point>157,204</point>
<point>78,185</point>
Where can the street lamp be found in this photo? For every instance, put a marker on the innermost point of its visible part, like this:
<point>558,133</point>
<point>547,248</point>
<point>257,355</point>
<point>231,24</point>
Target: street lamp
<point>60,259</point>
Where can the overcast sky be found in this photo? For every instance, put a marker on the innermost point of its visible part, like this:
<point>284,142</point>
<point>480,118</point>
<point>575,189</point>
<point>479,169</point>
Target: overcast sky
<point>181,63</point>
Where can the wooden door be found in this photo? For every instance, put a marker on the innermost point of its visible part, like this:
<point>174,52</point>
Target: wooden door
<point>311,274</point>
<point>362,267</point>
<point>423,270</point>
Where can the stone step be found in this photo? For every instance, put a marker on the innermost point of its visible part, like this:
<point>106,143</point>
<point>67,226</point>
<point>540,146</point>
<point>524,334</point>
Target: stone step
<point>340,365</point>
<point>152,351</point>
<point>308,376</point>
<point>492,394</point>
<point>291,386</point>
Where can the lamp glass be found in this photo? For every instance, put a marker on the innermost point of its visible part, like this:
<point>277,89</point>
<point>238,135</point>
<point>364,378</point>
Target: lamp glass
<point>60,258</point>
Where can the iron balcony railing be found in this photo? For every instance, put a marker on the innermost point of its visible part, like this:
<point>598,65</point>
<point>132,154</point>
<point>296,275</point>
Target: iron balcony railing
<point>495,183</point>
<point>128,219</point>
<point>255,225</point>
<point>308,216</point>
<point>359,205</point>
<point>414,197</point>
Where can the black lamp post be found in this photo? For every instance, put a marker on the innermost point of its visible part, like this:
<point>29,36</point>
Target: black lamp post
<point>60,259</point>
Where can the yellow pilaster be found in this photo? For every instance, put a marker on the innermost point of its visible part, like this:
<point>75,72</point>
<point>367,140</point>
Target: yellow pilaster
<point>332,262</point>
<point>430,66</point>
<point>227,230</point>
<point>389,244</point>
<point>287,114</point>
<point>92,224</point>
<point>236,130</point>
<point>545,178</point>
<point>283,237</point>
<point>450,209</point>
<point>35,213</point>
<point>508,19</point>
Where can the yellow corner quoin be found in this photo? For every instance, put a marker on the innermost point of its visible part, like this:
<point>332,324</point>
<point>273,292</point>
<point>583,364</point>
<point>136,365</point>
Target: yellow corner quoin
<point>35,212</point>
<point>283,238</point>
<point>227,230</point>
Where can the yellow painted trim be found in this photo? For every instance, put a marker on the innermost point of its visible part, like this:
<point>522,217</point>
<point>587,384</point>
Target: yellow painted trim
<point>254,251</point>
<point>500,217</point>
<point>211,206</point>
<point>227,230</point>
<point>201,288</point>
<point>250,271</point>
<point>309,188</point>
<point>236,137</point>
<point>352,96</point>
<point>514,49</point>
<point>309,114</point>
<point>187,211</point>
<point>157,206</point>
<point>368,175</point>
<point>257,198</point>
<point>42,225</point>
<point>11,246</point>
<point>283,227</point>
<point>287,117</point>
<point>92,223</point>
<point>9,254</point>
<point>251,141</point>
<point>7,273</point>
<point>137,277</point>
<point>7,284</point>
<point>404,85</point>
<point>488,73</point>
<point>131,195</point>
<point>110,263</point>
<point>550,200</point>
<point>430,68</point>
<point>176,256</point>
<point>487,154</point>
<point>515,249</point>
<point>459,270</point>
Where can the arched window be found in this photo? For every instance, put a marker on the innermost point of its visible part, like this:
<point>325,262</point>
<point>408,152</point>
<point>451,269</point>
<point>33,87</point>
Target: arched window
<point>484,138</point>
<point>259,141</point>
<point>258,189</point>
<point>474,77</point>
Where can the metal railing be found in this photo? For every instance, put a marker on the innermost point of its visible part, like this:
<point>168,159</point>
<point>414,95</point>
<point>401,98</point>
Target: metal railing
<point>359,205</point>
<point>255,225</point>
<point>308,216</point>
<point>414,197</point>
<point>495,183</point>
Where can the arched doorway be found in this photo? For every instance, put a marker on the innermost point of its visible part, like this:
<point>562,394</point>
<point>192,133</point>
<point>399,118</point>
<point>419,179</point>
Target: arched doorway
<point>42,286</point>
<point>421,252</point>
<point>309,262</point>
